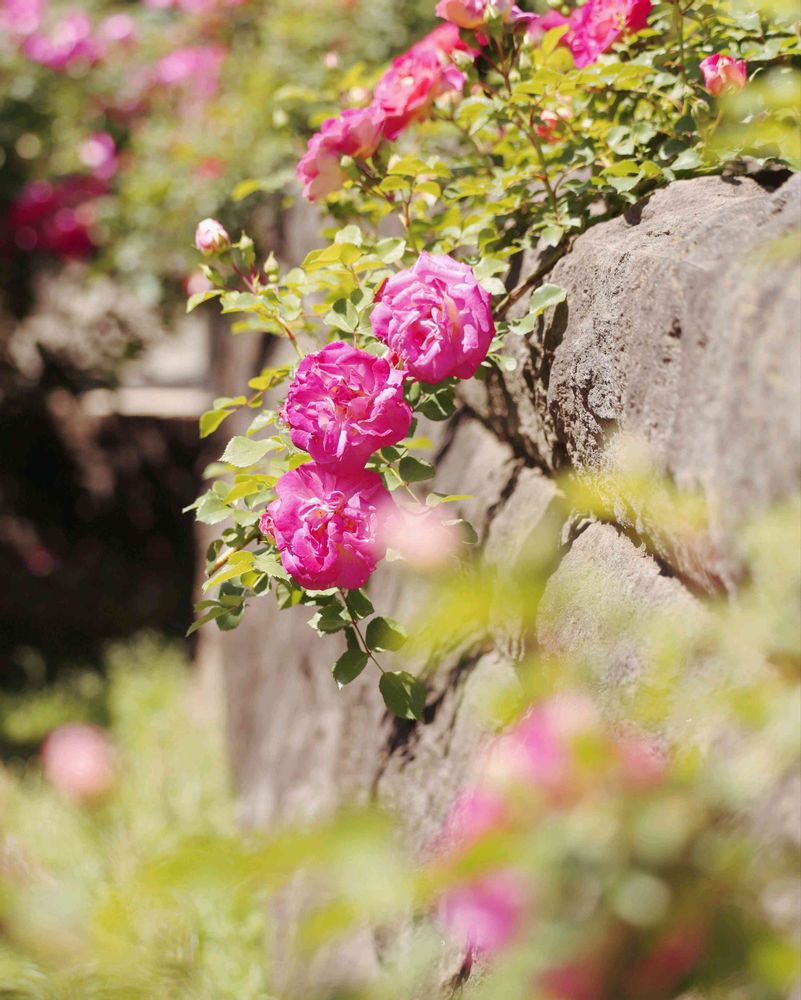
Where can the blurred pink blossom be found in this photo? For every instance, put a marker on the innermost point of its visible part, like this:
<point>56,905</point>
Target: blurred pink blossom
<point>55,218</point>
<point>21,18</point>
<point>196,69</point>
<point>421,537</point>
<point>196,283</point>
<point>117,29</point>
<point>99,153</point>
<point>484,915</point>
<point>79,761</point>
<point>70,41</point>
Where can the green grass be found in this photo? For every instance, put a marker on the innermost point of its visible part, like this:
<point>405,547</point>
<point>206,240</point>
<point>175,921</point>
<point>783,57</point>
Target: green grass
<point>88,907</point>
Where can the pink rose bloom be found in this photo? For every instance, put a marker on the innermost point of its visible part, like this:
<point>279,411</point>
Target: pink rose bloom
<point>415,79</point>
<point>464,13</point>
<point>211,237</point>
<point>471,14</point>
<point>196,67</point>
<point>79,761</point>
<point>357,132</point>
<point>69,42</point>
<point>597,25</point>
<point>21,18</point>
<point>99,154</point>
<point>444,40</point>
<point>436,317</point>
<point>327,525</point>
<point>484,915</point>
<point>117,29</point>
<point>344,404</point>
<point>723,74</point>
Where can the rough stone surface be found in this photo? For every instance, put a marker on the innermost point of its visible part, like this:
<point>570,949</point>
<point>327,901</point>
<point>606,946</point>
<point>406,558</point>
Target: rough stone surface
<point>680,329</point>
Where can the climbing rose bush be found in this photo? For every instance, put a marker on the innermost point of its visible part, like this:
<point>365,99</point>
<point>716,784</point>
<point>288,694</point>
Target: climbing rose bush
<point>436,318</point>
<point>344,404</point>
<point>499,136</point>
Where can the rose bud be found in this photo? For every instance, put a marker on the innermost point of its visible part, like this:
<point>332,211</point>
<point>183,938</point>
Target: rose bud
<point>211,237</point>
<point>724,74</point>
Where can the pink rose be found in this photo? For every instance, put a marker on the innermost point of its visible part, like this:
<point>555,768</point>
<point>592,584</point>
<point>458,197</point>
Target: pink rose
<point>465,13</point>
<point>470,14</point>
<point>436,317</point>
<point>357,132</point>
<point>211,237</point>
<point>724,74</point>
<point>344,404</point>
<point>415,79</point>
<point>69,42</point>
<point>597,25</point>
<point>484,915</point>
<point>327,525</point>
<point>79,761</point>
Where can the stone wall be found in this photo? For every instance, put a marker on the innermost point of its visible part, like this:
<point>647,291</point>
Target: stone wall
<point>681,327</point>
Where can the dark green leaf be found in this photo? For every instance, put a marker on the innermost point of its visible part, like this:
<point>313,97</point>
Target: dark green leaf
<point>349,666</point>
<point>403,694</point>
<point>386,633</point>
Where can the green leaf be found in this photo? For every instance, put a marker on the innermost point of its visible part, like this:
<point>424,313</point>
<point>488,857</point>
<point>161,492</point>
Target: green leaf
<point>210,616</point>
<point>211,510</point>
<point>552,38</point>
<point>386,634</point>
<point>244,452</point>
<point>544,298</point>
<point>211,420</point>
<point>415,470</point>
<point>359,604</point>
<point>403,694</point>
<point>270,377</point>
<point>199,297</point>
<point>329,619</point>
<point>349,666</point>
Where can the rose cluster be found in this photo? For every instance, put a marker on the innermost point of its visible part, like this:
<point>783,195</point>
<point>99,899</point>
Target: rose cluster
<point>332,516</point>
<point>403,95</point>
<point>55,218</point>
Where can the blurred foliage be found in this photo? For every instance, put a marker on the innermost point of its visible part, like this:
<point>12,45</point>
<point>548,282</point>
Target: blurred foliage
<point>85,910</point>
<point>641,859</point>
<point>181,147</point>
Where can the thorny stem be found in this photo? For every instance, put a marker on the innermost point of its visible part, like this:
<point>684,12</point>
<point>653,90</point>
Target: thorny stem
<point>355,625</point>
<point>517,293</point>
<point>678,21</point>
<point>222,559</point>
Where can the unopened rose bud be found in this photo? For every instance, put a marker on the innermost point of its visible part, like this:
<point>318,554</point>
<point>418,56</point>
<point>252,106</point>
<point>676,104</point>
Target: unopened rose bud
<point>211,237</point>
<point>78,760</point>
<point>724,74</point>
